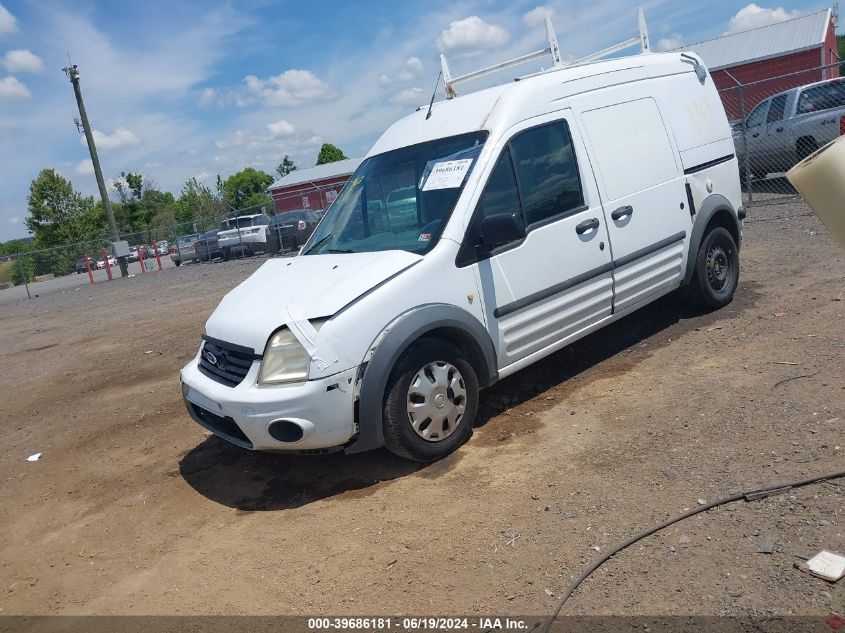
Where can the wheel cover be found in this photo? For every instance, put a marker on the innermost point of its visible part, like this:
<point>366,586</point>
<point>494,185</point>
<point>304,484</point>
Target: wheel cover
<point>718,267</point>
<point>436,401</point>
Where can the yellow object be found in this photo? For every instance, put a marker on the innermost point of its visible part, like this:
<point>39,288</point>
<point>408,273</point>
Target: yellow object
<point>820,179</point>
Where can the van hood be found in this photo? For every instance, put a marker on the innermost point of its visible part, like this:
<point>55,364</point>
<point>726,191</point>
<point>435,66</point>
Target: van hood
<point>316,285</point>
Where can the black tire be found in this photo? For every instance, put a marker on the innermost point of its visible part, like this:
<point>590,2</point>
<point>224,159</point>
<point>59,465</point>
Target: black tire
<point>227,255</point>
<point>399,434</point>
<point>178,262</point>
<point>716,272</point>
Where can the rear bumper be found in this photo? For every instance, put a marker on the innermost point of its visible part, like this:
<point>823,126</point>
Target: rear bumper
<point>323,409</point>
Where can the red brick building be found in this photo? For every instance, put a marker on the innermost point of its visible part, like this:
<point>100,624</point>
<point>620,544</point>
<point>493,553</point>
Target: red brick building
<point>314,188</point>
<point>769,59</point>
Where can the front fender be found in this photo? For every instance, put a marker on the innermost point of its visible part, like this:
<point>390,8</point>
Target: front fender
<point>392,343</point>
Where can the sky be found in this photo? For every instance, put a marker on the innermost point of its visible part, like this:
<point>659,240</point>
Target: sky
<point>180,88</point>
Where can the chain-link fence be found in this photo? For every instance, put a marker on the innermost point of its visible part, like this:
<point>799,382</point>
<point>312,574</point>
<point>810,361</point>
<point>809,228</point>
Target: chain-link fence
<point>226,234</point>
<point>779,121</point>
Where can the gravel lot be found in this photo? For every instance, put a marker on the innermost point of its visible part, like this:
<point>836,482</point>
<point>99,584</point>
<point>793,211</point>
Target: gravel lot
<point>133,508</point>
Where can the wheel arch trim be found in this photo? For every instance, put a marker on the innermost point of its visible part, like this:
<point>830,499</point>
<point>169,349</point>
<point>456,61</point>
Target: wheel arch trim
<point>711,207</point>
<point>393,341</point>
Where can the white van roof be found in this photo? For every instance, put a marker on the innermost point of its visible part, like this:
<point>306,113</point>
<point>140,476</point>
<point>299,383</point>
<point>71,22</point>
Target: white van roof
<point>499,107</point>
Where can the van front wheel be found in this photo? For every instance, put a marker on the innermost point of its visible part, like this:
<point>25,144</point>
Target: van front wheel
<point>716,272</point>
<point>431,402</point>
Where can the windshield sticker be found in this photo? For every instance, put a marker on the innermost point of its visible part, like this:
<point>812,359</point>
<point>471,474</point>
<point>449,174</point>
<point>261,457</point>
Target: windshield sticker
<point>424,237</point>
<point>447,174</point>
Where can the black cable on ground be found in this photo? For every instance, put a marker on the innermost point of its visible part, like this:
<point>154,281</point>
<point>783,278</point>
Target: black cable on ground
<point>752,495</point>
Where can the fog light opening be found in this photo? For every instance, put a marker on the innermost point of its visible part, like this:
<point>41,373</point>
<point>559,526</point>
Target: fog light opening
<point>285,431</point>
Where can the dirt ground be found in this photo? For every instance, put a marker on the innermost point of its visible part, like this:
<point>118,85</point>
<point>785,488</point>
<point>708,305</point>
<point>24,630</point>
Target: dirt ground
<point>134,509</point>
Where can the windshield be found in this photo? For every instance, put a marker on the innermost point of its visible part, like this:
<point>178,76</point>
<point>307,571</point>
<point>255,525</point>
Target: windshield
<point>400,199</point>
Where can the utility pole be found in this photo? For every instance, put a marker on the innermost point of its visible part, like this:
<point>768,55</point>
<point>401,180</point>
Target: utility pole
<point>72,73</point>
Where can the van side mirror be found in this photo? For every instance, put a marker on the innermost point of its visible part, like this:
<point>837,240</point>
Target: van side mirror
<point>501,229</point>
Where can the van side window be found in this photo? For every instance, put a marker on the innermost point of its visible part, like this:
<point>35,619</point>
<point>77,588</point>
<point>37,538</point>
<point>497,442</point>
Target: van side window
<point>500,195</point>
<point>547,172</point>
<point>776,109</point>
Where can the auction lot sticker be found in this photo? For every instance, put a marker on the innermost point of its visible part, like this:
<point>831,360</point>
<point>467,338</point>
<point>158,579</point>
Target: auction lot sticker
<point>447,174</point>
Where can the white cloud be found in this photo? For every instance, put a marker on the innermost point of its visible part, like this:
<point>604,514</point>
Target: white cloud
<point>11,88</point>
<point>412,68</point>
<point>471,33</point>
<point>290,88</point>
<point>13,220</point>
<point>414,65</point>
<point>120,138</point>
<point>281,128</point>
<point>753,16</point>
<point>409,96</point>
<point>538,15</point>
<point>84,167</point>
<point>208,97</point>
<point>670,43</point>
<point>8,22</point>
<point>22,61</point>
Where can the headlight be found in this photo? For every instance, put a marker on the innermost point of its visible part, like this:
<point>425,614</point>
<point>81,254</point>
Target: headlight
<point>285,360</point>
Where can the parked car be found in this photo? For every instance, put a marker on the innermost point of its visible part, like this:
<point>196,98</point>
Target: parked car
<point>207,247</point>
<point>243,235</point>
<point>162,247</point>
<point>544,210</point>
<point>146,252</point>
<point>185,250</point>
<point>101,263</point>
<point>291,229</point>
<point>81,267</point>
<point>789,126</point>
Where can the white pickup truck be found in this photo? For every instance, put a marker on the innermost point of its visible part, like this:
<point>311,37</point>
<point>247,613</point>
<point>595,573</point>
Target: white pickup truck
<point>791,125</point>
<point>246,234</point>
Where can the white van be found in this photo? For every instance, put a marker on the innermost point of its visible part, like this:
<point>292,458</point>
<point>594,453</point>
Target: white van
<point>531,215</point>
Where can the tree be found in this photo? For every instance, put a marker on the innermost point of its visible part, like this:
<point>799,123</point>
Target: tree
<point>285,167</point>
<point>59,214</point>
<point>196,200</point>
<point>330,154</point>
<point>246,188</point>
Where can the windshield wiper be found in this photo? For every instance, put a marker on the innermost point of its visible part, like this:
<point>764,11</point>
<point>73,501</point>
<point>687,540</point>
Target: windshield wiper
<point>339,250</point>
<point>319,243</point>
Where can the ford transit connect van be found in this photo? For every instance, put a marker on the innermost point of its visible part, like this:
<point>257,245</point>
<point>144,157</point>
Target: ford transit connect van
<point>472,241</point>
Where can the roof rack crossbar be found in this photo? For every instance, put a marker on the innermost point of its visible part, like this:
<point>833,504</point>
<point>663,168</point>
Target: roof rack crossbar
<point>552,49</point>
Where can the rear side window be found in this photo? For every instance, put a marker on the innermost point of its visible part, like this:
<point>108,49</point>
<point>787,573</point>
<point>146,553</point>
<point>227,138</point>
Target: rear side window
<point>823,97</point>
<point>631,147</point>
<point>776,109</point>
<point>547,172</point>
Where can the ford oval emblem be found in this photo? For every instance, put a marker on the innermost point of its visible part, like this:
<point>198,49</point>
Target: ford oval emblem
<point>211,358</point>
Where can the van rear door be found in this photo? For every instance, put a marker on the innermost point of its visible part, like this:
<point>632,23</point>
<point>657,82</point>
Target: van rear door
<point>642,187</point>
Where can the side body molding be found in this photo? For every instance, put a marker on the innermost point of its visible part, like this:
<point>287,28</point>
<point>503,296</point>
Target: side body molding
<point>711,206</point>
<point>403,331</point>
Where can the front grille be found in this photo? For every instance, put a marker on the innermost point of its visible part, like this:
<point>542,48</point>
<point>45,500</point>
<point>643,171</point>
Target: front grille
<point>226,363</point>
<point>226,427</point>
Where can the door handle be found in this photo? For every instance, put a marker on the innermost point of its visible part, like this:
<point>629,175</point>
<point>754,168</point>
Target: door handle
<point>587,225</point>
<point>756,134</point>
<point>622,212</point>
<point>780,129</point>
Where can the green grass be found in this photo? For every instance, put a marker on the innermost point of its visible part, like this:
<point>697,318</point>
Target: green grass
<point>5,272</point>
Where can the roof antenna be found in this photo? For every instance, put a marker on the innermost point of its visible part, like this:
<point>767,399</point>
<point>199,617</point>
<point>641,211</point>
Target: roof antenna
<point>431,103</point>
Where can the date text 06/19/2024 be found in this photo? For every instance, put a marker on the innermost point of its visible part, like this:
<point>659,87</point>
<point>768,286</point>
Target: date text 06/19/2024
<point>415,623</point>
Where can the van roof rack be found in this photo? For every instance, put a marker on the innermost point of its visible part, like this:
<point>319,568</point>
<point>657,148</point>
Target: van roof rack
<point>552,49</point>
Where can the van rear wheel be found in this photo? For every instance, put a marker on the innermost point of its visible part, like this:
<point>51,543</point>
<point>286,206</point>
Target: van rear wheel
<point>716,272</point>
<point>431,402</point>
